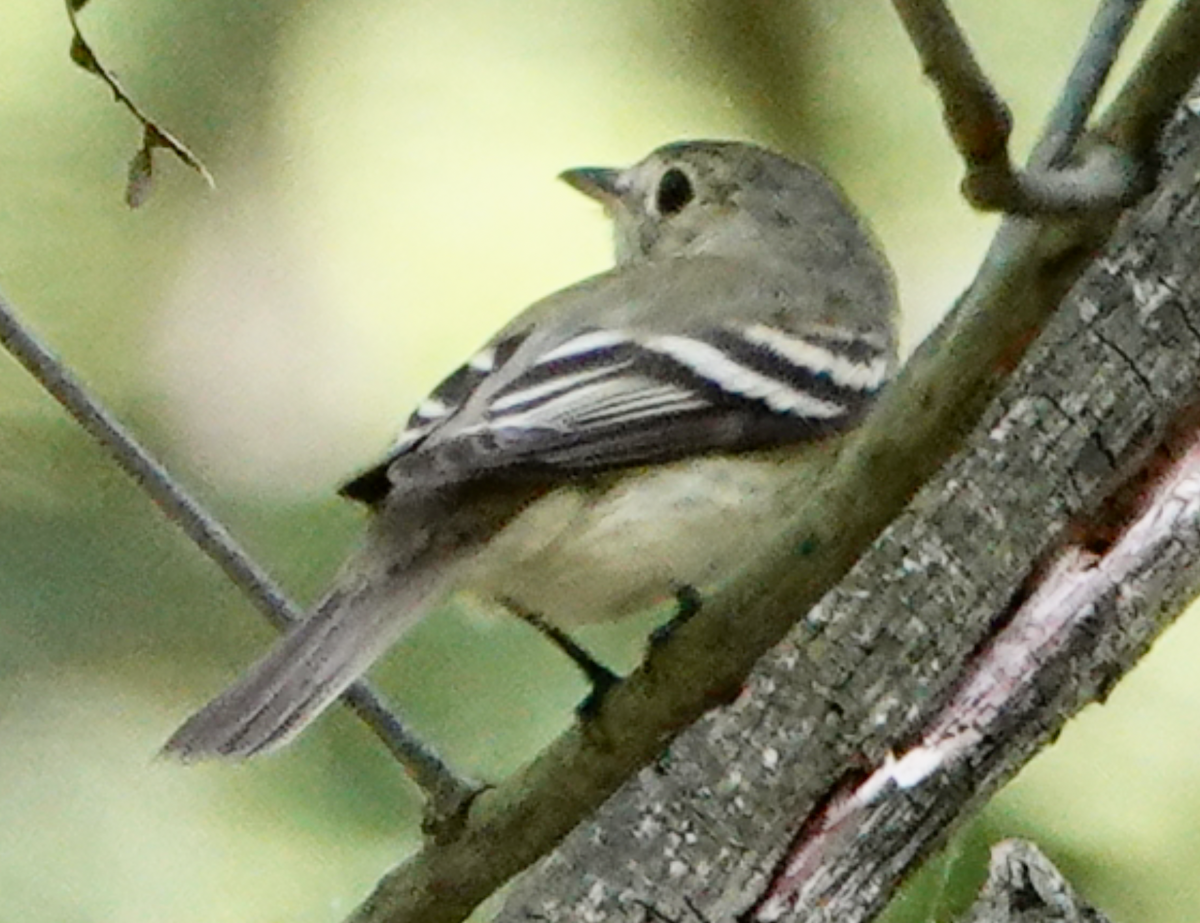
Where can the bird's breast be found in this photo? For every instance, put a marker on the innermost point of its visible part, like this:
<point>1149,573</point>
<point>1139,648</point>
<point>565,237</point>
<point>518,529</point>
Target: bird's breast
<point>600,551</point>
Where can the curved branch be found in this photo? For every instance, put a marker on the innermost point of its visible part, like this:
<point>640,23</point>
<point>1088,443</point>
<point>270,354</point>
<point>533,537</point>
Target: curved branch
<point>919,424</point>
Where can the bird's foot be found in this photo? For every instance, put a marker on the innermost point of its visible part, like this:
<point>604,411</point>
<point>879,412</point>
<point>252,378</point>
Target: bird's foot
<point>601,677</point>
<point>688,602</point>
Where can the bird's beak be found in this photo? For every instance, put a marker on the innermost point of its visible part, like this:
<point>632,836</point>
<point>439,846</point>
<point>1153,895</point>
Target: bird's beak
<point>599,183</point>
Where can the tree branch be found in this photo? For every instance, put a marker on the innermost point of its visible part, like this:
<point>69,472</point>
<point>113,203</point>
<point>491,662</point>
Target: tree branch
<point>1086,618</point>
<point>1023,886</point>
<point>841,707</point>
<point>447,791</point>
<point>980,123</point>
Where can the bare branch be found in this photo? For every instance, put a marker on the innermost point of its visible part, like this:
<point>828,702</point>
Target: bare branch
<point>1067,121</point>
<point>141,167</point>
<point>1023,886</point>
<point>977,119</point>
<point>979,122</point>
<point>1163,75</point>
<point>447,791</point>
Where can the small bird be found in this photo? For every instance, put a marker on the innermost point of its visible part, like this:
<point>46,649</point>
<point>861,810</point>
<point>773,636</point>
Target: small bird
<point>620,439</point>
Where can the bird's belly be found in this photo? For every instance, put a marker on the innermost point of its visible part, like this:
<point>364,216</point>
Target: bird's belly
<point>590,553</point>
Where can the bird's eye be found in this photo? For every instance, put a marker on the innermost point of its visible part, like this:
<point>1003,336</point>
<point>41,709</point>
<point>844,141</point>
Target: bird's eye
<point>674,192</point>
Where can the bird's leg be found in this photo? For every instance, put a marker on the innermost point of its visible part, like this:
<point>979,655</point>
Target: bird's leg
<point>600,676</point>
<point>688,602</point>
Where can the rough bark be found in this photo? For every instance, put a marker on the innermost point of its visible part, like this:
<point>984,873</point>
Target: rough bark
<point>1024,887</point>
<point>711,832</point>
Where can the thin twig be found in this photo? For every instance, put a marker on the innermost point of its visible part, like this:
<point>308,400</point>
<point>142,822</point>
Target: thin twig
<point>980,124</point>
<point>141,167</point>
<point>1164,74</point>
<point>977,119</point>
<point>447,791</point>
<point>1023,886</point>
<point>1068,119</point>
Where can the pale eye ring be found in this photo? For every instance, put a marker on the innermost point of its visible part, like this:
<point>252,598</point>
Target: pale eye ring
<point>674,192</point>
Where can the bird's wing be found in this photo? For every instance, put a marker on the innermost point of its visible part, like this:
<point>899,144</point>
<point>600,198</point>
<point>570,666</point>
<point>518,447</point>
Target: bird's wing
<point>602,399</point>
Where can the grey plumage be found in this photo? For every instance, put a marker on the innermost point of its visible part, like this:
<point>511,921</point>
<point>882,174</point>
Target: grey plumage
<point>375,599</point>
<point>576,461</point>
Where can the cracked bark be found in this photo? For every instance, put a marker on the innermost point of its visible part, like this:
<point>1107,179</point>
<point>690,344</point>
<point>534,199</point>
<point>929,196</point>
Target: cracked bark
<point>710,832</point>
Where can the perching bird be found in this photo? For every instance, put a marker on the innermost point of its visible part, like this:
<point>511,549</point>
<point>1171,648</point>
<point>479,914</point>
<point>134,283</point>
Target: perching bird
<point>619,439</point>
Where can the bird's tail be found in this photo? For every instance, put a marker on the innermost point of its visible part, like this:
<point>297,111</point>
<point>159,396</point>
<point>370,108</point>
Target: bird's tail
<point>382,594</point>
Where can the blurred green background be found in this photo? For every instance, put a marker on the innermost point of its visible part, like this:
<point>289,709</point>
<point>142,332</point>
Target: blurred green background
<point>386,199</point>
